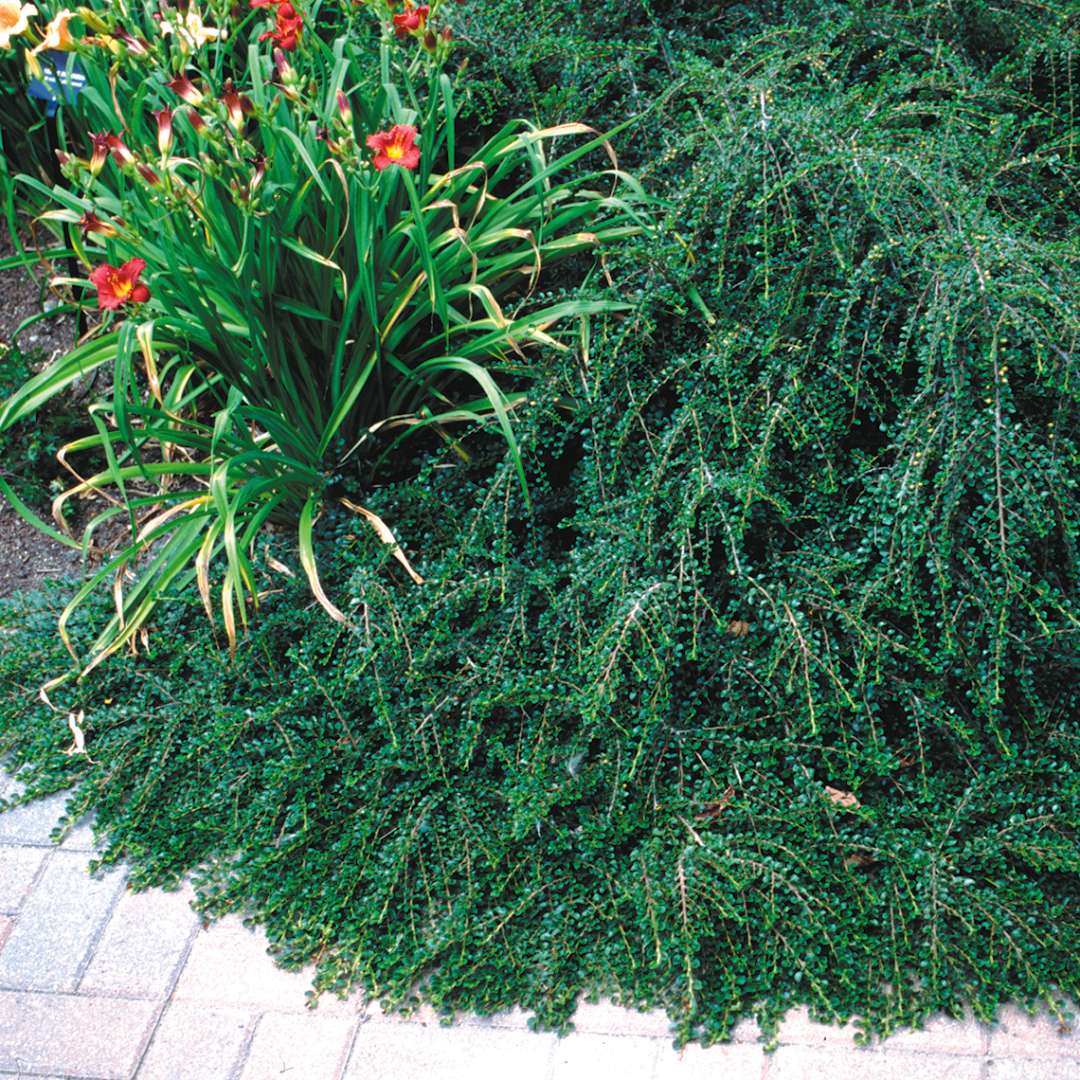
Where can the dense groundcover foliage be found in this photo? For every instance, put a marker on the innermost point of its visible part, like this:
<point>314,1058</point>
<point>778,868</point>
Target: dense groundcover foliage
<point>770,696</point>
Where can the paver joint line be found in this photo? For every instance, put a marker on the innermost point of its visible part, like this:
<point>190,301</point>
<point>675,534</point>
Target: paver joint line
<point>173,980</point>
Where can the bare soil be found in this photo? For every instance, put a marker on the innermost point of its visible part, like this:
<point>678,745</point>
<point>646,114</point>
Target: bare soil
<point>28,556</point>
<point>26,292</point>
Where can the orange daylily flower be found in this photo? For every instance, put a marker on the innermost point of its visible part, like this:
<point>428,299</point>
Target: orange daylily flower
<point>14,18</point>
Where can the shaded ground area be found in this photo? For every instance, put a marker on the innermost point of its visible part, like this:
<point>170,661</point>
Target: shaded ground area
<point>27,556</point>
<point>24,293</point>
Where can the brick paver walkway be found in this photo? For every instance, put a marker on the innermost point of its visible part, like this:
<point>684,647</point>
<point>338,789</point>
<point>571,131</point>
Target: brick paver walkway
<point>97,982</point>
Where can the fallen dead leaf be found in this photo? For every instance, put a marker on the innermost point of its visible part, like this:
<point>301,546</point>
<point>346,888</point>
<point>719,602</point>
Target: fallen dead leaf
<point>841,798</point>
<point>717,807</point>
<point>78,745</point>
<point>858,860</point>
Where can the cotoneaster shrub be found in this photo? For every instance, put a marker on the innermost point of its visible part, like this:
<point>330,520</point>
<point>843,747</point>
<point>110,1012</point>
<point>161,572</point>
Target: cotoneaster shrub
<point>769,696</point>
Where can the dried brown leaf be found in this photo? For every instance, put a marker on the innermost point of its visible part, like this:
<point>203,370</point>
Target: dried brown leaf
<point>841,798</point>
<point>717,807</point>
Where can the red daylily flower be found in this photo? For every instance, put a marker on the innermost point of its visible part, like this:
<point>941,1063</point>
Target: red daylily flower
<point>118,285</point>
<point>91,223</point>
<point>411,20</point>
<point>395,147</point>
<point>288,24</point>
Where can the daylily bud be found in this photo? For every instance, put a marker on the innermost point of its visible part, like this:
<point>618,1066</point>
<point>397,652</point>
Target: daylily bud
<point>148,174</point>
<point>92,20</point>
<point>431,42</point>
<point>135,46</point>
<point>259,163</point>
<point>237,104</point>
<point>323,135</point>
<point>196,121</point>
<point>286,72</point>
<point>99,141</point>
<point>69,165</point>
<point>164,129</point>
<point>121,154</point>
<point>185,89</point>
<point>343,109</point>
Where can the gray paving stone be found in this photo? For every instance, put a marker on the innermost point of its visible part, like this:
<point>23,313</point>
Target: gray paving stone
<point>942,1035</point>
<point>1058,1068</point>
<point>731,1061</point>
<point>9,786</point>
<point>423,1015</point>
<point>404,1051</point>
<point>18,865</point>
<point>807,1063</point>
<point>517,1019</point>
<point>142,944</point>
<point>229,965</point>
<point>746,1030</point>
<point>1020,1035</point>
<point>797,1028</point>
<point>32,822</point>
<point>307,1047</point>
<point>605,1018</point>
<point>75,1036</point>
<point>57,925</point>
<point>586,1057</point>
<point>81,837</point>
<point>197,1042</point>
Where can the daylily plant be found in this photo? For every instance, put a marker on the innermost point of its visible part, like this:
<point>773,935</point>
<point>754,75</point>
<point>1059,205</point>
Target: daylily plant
<point>330,274</point>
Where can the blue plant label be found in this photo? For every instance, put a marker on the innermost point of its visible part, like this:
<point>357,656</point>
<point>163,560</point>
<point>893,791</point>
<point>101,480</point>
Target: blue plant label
<point>57,83</point>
